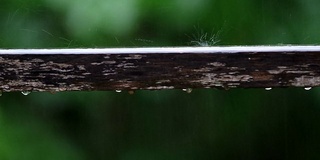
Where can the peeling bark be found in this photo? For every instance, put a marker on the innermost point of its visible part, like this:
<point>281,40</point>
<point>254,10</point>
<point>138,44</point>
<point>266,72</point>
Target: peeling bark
<point>159,68</point>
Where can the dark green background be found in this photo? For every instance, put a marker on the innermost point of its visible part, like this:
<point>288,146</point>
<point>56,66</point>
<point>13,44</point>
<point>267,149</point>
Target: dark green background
<point>168,124</point>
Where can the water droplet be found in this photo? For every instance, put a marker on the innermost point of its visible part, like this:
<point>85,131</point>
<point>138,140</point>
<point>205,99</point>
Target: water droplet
<point>25,93</point>
<point>268,88</point>
<point>225,87</point>
<point>131,92</point>
<point>188,90</point>
<point>52,92</point>
<point>0,93</point>
<point>118,91</point>
<point>307,88</point>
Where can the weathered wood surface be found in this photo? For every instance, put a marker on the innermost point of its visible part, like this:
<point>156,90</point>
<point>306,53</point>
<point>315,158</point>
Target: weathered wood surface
<point>159,68</point>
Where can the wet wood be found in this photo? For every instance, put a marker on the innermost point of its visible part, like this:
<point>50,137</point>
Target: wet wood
<point>159,68</point>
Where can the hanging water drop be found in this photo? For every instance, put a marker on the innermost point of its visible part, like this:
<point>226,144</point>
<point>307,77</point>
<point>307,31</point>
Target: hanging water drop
<point>268,88</point>
<point>307,88</point>
<point>53,92</point>
<point>118,91</point>
<point>188,90</point>
<point>25,93</point>
<point>131,92</point>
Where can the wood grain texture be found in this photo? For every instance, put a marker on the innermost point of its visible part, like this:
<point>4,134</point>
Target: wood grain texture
<point>159,68</point>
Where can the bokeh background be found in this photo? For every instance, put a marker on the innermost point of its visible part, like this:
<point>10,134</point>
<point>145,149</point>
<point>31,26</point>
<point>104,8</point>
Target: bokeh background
<point>169,124</point>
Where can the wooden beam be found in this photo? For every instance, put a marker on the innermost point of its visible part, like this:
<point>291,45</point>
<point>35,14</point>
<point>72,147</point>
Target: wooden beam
<point>159,68</point>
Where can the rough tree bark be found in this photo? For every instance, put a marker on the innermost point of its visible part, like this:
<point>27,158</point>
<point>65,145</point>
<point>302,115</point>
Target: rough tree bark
<point>159,68</point>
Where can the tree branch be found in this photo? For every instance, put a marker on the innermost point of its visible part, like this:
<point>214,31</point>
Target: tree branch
<point>159,68</point>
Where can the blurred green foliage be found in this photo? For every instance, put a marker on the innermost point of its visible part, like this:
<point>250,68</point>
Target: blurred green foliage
<point>170,124</point>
